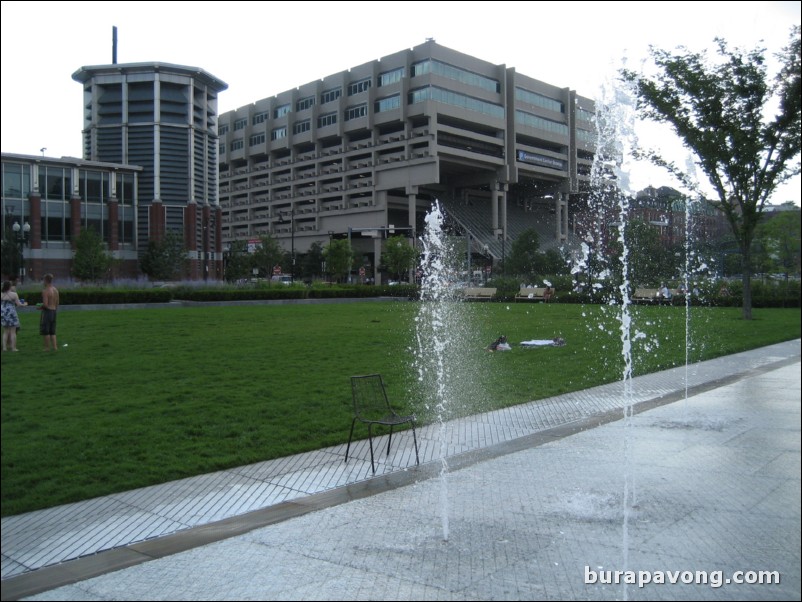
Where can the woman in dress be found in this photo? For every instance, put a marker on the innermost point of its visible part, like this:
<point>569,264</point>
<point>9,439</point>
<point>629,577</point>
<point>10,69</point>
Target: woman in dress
<point>9,317</point>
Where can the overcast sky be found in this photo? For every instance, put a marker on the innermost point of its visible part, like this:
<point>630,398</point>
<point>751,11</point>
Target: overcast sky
<point>262,48</point>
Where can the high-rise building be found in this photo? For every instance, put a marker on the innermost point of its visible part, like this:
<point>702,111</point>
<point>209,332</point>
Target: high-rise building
<point>362,151</point>
<point>162,117</point>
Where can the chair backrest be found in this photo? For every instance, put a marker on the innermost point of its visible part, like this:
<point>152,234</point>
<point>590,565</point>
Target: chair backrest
<point>370,397</point>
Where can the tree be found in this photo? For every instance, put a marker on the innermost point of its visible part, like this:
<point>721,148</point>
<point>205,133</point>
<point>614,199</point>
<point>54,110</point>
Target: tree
<point>524,258</point>
<point>10,255</point>
<point>312,261</point>
<point>238,261</point>
<point>399,255</point>
<point>780,240</point>
<point>339,258</point>
<point>91,261</point>
<point>743,127</point>
<point>165,259</point>
<point>267,256</point>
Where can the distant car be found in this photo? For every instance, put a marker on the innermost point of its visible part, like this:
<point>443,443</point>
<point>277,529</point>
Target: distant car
<point>283,279</point>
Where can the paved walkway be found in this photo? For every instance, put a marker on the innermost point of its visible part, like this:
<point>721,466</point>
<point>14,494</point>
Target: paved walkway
<point>535,497</point>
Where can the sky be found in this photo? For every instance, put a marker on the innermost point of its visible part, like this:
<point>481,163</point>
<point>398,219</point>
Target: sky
<point>262,48</point>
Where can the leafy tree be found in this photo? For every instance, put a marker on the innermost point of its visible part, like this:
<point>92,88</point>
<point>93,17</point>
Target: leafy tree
<point>268,255</point>
<point>743,127</point>
<point>339,258</point>
<point>779,236</point>
<point>399,256</point>
<point>238,261</point>
<point>524,258</point>
<point>312,261</point>
<point>649,261</point>
<point>91,261</point>
<point>165,259</point>
<point>10,255</point>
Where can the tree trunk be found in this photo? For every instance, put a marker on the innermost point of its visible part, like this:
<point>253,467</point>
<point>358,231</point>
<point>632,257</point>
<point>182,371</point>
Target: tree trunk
<point>746,279</point>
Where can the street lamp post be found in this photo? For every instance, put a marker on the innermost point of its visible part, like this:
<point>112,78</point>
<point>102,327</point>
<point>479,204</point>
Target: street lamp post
<point>292,241</point>
<point>21,236</point>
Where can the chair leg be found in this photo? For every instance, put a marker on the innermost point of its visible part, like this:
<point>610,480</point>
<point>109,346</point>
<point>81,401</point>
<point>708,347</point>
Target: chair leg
<point>370,441</point>
<point>415,439</point>
<point>390,440</point>
<point>351,434</point>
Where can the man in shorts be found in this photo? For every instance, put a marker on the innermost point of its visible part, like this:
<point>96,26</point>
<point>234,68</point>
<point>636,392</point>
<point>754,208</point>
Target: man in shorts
<point>47,321</point>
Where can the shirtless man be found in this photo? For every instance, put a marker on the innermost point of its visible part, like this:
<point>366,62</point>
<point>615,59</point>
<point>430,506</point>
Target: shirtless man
<point>47,321</point>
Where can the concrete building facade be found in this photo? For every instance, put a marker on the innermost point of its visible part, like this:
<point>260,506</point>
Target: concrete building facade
<point>358,152</point>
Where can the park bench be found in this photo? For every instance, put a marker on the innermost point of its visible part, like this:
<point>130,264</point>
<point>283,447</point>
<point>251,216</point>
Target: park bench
<point>645,295</point>
<point>478,294</point>
<point>532,293</point>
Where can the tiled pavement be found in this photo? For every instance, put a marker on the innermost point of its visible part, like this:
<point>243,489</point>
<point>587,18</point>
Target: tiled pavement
<point>715,480</point>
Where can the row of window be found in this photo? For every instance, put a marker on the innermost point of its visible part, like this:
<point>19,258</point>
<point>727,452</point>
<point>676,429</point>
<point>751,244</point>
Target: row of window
<point>433,93</point>
<point>55,183</point>
<point>383,79</point>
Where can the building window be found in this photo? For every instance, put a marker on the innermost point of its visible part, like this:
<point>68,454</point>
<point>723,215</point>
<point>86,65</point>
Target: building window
<point>302,126</point>
<point>455,73</point>
<point>305,103</point>
<point>240,124</point>
<point>330,95</point>
<point>260,117</point>
<point>281,111</point>
<point>328,119</point>
<point>222,148</point>
<point>539,100</point>
<point>458,100</point>
<point>356,112</point>
<point>358,87</point>
<point>223,129</point>
<point>554,127</point>
<point>237,144</point>
<point>587,137</point>
<point>388,104</point>
<point>391,77</point>
<point>257,139</point>
<point>585,115</point>
<point>278,133</point>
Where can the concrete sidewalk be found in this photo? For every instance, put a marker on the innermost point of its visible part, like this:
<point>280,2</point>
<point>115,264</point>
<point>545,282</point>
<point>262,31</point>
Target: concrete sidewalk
<point>535,499</point>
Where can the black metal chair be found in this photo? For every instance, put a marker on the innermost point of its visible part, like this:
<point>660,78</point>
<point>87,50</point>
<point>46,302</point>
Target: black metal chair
<point>371,406</point>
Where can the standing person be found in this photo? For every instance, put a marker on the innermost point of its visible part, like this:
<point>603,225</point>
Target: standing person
<point>47,321</point>
<point>9,317</point>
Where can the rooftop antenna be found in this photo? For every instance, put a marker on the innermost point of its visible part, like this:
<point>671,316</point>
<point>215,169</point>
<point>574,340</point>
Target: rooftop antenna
<point>114,45</point>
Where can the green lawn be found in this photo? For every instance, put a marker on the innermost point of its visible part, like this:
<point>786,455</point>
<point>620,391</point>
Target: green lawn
<point>137,397</point>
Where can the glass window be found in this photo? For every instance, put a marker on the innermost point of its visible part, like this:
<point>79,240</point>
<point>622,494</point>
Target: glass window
<point>260,117</point>
<point>257,139</point>
<point>356,112</point>
<point>358,87</point>
<point>330,95</point>
<point>240,124</point>
<point>555,127</point>
<point>458,100</point>
<point>279,133</point>
<point>223,129</point>
<point>302,126</point>
<point>305,103</point>
<point>237,144</point>
<point>281,111</point>
<point>328,119</point>
<point>16,180</point>
<point>388,104</point>
<point>539,100</point>
<point>391,77</point>
<point>455,73</point>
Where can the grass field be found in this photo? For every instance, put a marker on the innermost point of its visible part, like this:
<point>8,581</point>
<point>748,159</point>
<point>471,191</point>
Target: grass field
<point>143,396</point>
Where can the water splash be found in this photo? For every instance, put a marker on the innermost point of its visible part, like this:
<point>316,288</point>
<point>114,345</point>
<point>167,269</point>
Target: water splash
<point>610,193</point>
<point>438,328</point>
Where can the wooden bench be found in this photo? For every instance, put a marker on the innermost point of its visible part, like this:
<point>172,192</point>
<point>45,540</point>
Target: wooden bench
<point>645,295</point>
<point>478,294</point>
<point>533,293</point>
